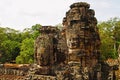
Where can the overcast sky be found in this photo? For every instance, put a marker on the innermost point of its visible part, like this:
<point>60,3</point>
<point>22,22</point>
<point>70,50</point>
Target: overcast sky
<point>21,14</point>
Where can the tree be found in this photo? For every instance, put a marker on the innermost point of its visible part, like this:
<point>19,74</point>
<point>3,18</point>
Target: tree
<point>27,45</point>
<point>9,44</point>
<point>27,51</point>
<point>14,43</point>
<point>109,33</point>
<point>11,50</point>
<point>35,30</point>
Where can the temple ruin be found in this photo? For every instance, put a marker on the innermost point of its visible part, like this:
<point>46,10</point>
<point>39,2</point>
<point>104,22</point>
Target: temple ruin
<point>72,53</point>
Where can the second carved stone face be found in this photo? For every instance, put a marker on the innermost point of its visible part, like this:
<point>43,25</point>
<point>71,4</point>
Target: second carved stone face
<point>73,42</point>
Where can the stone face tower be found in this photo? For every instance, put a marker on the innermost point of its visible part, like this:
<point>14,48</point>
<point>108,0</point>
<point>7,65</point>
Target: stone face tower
<point>76,46</point>
<point>82,34</point>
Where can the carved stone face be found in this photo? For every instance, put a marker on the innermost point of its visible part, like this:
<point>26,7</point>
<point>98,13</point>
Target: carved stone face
<point>90,13</point>
<point>74,14</point>
<point>74,11</point>
<point>73,42</point>
<point>44,49</point>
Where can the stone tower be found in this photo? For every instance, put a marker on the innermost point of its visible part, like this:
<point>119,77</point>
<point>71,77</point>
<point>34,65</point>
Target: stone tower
<point>82,35</point>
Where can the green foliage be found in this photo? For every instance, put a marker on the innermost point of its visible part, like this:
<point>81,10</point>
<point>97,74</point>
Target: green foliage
<point>3,35</point>
<point>26,33</point>
<point>16,45</point>
<point>109,33</point>
<point>27,45</point>
<point>35,30</point>
<point>12,34</point>
<point>27,51</point>
<point>11,49</point>
<point>9,44</point>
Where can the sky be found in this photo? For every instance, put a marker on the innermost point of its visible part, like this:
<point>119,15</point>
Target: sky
<point>21,14</point>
